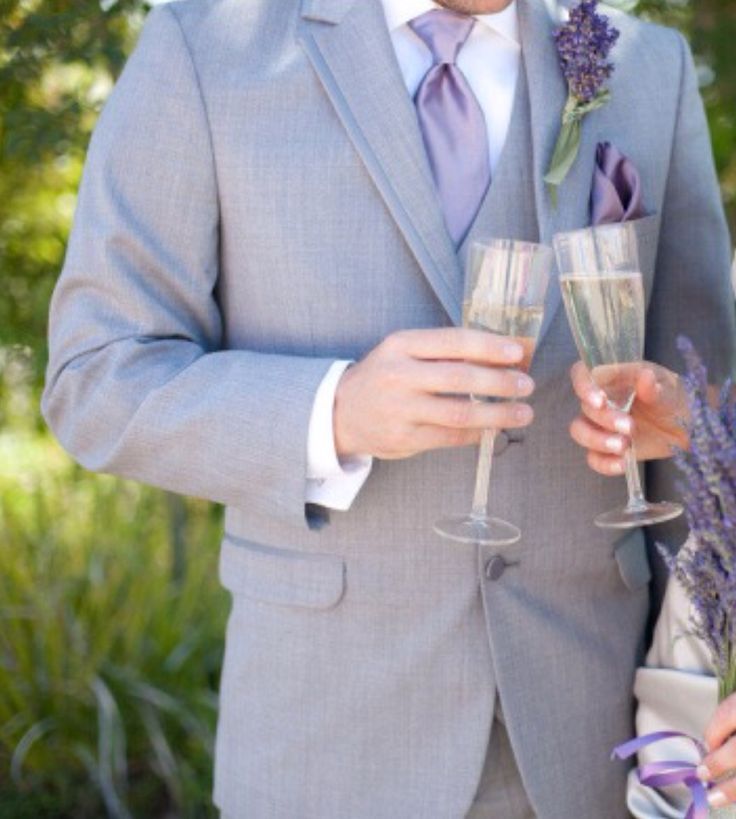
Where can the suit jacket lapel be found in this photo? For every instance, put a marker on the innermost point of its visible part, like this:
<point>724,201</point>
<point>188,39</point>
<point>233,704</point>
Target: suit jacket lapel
<point>350,49</point>
<point>547,96</point>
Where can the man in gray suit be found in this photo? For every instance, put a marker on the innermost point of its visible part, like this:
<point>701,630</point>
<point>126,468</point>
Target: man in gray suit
<point>263,203</point>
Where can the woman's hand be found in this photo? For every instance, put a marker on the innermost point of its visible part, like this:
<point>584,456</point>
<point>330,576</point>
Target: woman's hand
<point>655,422</point>
<point>721,759</point>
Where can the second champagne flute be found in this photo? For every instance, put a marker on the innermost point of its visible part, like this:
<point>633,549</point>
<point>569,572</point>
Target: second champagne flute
<point>604,298</point>
<point>505,289</point>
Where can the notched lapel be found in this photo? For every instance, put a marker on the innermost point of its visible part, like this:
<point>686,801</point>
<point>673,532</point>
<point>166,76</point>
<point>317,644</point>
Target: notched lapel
<point>350,49</point>
<point>547,96</point>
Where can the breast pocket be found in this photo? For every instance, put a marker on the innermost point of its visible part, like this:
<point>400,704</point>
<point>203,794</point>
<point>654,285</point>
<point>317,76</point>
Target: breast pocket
<point>281,576</point>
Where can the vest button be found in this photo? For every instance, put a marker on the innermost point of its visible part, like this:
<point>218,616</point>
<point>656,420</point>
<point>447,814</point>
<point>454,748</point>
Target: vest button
<point>495,567</point>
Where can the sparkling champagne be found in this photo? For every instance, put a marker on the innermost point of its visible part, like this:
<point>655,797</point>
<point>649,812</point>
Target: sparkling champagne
<point>520,323</point>
<point>606,314</point>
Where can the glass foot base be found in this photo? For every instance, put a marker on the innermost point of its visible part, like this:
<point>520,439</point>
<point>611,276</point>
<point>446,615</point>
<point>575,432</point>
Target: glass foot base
<point>625,519</point>
<point>487,531</point>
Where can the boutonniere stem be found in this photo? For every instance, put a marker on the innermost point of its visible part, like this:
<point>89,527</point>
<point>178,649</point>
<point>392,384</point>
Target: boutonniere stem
<point>583,45</point>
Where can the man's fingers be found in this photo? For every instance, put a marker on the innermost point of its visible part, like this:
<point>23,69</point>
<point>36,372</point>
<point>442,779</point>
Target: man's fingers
<point>457,343</point>
<point>471,379</point>
<point>593,438</point>
<point>585,388</point>
<point>462,413</point>
<point>430,437</point>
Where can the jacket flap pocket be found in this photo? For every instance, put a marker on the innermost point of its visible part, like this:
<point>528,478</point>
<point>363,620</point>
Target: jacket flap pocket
<point>281,576</point>
<point>633,561</point>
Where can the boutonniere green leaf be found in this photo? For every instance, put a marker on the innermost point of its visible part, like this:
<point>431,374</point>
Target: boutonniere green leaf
<point>583,45</point>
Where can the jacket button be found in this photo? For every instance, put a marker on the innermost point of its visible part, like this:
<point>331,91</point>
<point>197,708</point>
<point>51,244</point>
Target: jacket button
<point>495,567</point>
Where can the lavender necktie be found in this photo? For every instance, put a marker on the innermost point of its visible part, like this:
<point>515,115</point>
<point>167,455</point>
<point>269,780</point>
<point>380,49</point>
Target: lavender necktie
<point>451,121</point>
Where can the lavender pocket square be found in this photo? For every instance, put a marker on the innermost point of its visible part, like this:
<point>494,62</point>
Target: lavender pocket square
<point>616,195</point>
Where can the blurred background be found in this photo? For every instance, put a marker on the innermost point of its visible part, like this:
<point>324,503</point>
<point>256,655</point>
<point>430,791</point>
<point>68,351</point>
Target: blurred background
<point>111,617</point>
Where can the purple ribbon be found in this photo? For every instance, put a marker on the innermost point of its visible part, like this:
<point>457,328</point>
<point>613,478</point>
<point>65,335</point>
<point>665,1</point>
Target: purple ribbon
<point>671,772</point>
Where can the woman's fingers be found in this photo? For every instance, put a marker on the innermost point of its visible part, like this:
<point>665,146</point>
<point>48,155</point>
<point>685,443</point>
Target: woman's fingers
<point>724,793</point>
<point>608,465</point>
<point>719,735</point>
<point>609,419</point>
<point>721,726</point>
<point>585,388</point>
<point>592,437</point>
<point>719,762</point>
<point>593,403</point>
<point>648,388</point>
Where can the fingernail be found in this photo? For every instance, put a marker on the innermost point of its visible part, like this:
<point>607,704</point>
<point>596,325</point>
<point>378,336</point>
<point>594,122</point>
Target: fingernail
<point>623,426</point>
<point>703,773</point>
<point>523,414</point>
<point>614,444</point>
<point>597,399</point>
<point>717,799</point>
<point>525,385</point>
<point>512,351</point>
<point>617,468</point>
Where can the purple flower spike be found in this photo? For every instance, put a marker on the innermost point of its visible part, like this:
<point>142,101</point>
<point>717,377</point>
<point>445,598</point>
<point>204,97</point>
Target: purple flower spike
<point>584,44</point>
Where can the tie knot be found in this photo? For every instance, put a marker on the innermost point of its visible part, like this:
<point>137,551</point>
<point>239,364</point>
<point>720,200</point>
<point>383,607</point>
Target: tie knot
<point>444,32</point>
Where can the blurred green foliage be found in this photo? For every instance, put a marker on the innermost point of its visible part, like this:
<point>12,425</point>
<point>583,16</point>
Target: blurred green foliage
<point>58,60</point>
<point>111,620</point>
<point>110,643</point>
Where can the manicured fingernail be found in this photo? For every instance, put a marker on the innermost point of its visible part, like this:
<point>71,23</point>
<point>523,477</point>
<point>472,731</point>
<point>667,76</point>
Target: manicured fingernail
<point>703,773</point>
<point>525,385</point>
<point>623,426</point>
<point>523,414</point>
<point>614,444</point>
<point>717,799</point>
<point>597,399</point>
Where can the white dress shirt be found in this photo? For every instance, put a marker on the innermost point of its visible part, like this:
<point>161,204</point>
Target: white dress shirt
<point>490,61</point>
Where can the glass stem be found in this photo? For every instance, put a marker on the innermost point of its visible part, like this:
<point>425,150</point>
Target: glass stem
<point>637,501</point>
<point>483,474</point>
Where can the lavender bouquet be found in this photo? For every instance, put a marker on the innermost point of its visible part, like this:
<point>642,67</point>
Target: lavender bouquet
<point>706,565</point>
<point>583,45</point>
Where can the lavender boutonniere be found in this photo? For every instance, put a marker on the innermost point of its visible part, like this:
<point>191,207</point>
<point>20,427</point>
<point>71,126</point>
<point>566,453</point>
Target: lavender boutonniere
<point>583,45</point>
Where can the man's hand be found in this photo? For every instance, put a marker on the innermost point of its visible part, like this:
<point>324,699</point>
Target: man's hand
<point>402,398</point>
<point>655,423</point>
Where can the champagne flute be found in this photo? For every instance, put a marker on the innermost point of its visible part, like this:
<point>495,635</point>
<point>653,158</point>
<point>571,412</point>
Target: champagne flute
<point>505,288</point>
<point>604,299</point>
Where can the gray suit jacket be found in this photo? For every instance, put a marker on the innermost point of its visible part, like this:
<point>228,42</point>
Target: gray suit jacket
<point>257,204</point>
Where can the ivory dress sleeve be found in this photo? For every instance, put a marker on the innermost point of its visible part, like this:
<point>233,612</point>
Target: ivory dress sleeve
<point>675,690</point>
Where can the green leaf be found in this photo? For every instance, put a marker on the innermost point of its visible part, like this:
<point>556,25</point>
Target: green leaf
<point>565,153</point>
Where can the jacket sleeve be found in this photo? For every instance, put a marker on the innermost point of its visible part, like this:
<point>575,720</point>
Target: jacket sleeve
<point>692,292</point>
<point>139,382</point>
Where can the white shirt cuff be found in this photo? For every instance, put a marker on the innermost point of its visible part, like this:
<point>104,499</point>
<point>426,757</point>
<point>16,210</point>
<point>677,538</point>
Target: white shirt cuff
<point>331,482</point>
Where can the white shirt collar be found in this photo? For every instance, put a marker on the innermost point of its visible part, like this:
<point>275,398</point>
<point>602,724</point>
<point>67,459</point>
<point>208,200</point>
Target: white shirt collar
<point>400,12</point>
